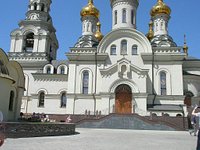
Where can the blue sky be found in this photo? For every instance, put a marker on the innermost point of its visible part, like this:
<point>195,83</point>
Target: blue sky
<point>185,19</point>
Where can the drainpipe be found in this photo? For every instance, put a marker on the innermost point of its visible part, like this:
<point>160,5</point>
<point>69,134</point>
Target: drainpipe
<point>183,116</point>
<point>75,96</point>
<point>28,82</point>
<point>95,86</point>
<point>74,105</point>
<point>153,77</point>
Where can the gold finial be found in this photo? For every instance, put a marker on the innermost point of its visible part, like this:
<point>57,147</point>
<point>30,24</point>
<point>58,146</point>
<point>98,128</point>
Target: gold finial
<point>160,8</point>
<point>90,10</point>
<point>98,26</point>
<point>150,34</point>
<point>185,47</point>
<point>90,1</point>
<point>98,33</point>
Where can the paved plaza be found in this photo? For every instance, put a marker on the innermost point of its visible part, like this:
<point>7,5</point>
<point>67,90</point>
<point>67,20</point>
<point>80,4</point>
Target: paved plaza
<point>107,139</point>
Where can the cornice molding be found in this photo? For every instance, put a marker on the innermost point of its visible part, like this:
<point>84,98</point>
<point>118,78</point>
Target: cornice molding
<point>50,77</point>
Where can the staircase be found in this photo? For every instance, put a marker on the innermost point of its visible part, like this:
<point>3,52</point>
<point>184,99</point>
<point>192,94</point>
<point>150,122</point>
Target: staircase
<point>129,121</point>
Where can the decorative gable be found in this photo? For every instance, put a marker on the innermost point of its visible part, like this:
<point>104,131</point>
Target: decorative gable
<point>124,68</point>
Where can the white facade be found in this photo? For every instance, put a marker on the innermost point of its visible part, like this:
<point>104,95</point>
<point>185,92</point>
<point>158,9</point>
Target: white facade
<point>122,73</point>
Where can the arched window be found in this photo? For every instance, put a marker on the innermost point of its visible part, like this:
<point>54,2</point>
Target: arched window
<point>62,70</point>
<point>115,17</point>
<point>85,82</point>
<point>63,100</point>
<point>132,17</point>
<point>113,50</point>
<point>11,101</point>
<point>29,42</point>
<point>123,47</point>
<point>42,7</point>
<point>134,49</point>
<point>93,29</point>
<point>41,99</point>
<point>163,86</point>
<point>161,25</point>
<point>48,70</point>
<point>178,115</point>
<point>124,16</point>
<point>35,6</point>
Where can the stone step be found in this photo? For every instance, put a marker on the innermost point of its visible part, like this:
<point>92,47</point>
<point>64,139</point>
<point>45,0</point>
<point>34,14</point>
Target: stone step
<point>126,121</point>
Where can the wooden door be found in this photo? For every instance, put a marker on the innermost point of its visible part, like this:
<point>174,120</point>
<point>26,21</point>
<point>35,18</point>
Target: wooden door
<point>123,101</point>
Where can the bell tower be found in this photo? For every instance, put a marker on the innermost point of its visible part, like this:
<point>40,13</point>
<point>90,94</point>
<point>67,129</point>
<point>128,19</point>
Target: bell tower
<point>35,39</point>
<point>124,13</point>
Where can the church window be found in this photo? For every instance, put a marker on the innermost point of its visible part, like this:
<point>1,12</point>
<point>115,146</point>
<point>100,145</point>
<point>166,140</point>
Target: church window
<point>132,16</point>
<point>163,87</point>
<point>29,42</point>
<point>85,82</point>
<point>87,26</point>
<point>93,28</point>
<point>11,101</point>
<point>161,25</point>
<point>123,47</point>
<point>41,99</point>
<point>35,6</point>
<point>156,27</point>
<point>113,50</point>
<point>48,70</point>
<point>63,100</point>
<point>178,115</point>
<point>62,70</point>
<point>134,49</point>
<point>115,17</point>
<point>124,16</point>
<point>42,7</point>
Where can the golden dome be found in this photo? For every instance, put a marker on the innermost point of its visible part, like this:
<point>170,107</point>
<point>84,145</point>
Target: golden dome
<point>90,10</point>
<point>160,8</point>
<point>150,34</point>
<point>98,33</point>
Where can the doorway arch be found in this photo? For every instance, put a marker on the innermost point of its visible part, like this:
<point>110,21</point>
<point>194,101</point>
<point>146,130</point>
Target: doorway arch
<point>123,99</point>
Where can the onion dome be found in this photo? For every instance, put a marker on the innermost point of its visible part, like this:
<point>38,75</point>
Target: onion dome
<point>150,34</point>
<point>160,8</point>
<point>185,47</point>
<point>90,10</point>
<point>98,33</point>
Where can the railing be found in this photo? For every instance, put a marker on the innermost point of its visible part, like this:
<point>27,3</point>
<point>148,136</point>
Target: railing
<point>24,54</point>
<point>167,50</point>
<point>83,50</point>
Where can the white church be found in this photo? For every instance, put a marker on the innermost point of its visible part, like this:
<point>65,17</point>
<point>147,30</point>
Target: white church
<point>123,72</point>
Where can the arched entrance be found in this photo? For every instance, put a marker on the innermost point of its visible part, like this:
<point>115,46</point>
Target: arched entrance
<point>123,99</point>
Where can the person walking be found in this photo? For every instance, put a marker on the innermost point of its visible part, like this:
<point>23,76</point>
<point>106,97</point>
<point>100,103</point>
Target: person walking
<point>197,114</point>
<point>194,125</point>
